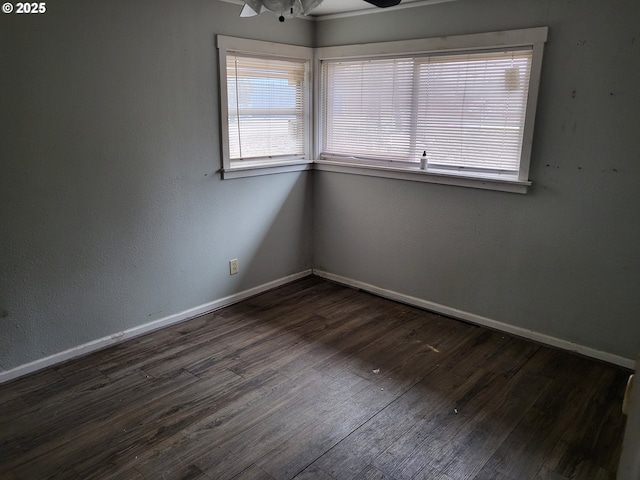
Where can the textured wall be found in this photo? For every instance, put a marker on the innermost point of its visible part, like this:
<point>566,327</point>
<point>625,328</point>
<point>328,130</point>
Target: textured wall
<point>112,214</point>
<point>562,260</point>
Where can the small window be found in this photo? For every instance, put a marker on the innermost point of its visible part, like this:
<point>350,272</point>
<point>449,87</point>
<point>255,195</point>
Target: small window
<point>450,110</point>
<point>265,107</point>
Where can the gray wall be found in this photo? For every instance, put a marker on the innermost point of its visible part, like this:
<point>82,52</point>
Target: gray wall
<point>112,214</point>
<point>562,260</point>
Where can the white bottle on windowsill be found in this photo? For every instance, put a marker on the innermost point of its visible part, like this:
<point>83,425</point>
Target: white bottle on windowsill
<point>423,161</point>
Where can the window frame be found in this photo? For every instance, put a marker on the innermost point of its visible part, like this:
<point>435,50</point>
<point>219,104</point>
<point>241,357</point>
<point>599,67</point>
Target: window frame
<point>263,165</point>
<point>533,38</point>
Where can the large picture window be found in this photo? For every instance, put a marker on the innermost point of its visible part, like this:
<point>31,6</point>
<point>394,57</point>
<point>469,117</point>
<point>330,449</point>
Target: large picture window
<point>457,107</point>
<point>465,111</point>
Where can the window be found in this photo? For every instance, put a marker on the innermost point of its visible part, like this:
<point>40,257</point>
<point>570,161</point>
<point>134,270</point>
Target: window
<point>265,100</point>
<point>466,104</point>
<point>462,106</point>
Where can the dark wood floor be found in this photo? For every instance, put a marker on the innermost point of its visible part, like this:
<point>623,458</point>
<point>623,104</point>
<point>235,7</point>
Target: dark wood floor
<point>316,381</point>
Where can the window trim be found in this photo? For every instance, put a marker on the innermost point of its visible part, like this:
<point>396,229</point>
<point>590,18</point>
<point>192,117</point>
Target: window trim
<point>533,38</point>
<point>262,166</point>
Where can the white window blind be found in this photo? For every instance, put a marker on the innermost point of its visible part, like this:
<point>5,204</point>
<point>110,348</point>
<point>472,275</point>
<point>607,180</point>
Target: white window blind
<point>367,109</point>
<point>266,107</point>
<point>466,110</point>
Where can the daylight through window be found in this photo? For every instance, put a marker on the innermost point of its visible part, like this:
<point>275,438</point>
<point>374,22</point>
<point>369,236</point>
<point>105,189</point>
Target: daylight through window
<point>456,110</point>
<point>266,107</point>
<point>466,111</point>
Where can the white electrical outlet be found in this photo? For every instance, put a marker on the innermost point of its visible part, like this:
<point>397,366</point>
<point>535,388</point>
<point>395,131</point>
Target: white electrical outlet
<point>233,266</point>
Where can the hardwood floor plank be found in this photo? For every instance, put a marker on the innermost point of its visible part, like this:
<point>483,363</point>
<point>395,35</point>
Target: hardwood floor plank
<point>48,465</point>
<point>588,469</point>
<point>594,439</point>
<point>240,432</point>
<point>479,439</point>
<point>313,473</point>
<point>327,429</point>
<point>253,472</point>
<point>459,436</point>
<point>150,355</point>
<point>372,473</point>
<point>176,469</point>
<point>155,425</point>
<point>546,474</point>
<point>410,452</point>
<point>23,388</point>
<point>99,432</point>
<point>65,407</point>
<point>51,424</point>
<point>488,474</point>
<point>385,347</point>
<point>539,432</point>
<point>362,359</point>
<point>494,352</point>
<point>422,353</point>
<point>430,473</point>
<point>366,443</point>
<point>323,345</point>
<point>279,350</point>
<point>300,414</point>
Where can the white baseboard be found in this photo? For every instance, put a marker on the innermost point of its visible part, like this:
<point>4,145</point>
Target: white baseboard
<point>103,342</point>
<point>479,320</point>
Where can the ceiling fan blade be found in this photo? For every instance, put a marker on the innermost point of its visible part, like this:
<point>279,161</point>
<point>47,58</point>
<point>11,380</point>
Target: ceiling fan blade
<point>383,3</point>
<point>251,8</point>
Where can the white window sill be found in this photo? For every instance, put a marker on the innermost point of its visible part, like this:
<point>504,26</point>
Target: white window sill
<point>416,175</point>
<point>254,169</point>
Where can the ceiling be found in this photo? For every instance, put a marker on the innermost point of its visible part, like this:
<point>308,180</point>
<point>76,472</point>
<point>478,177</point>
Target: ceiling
<point>329,7</point>
<point>347,7</point>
